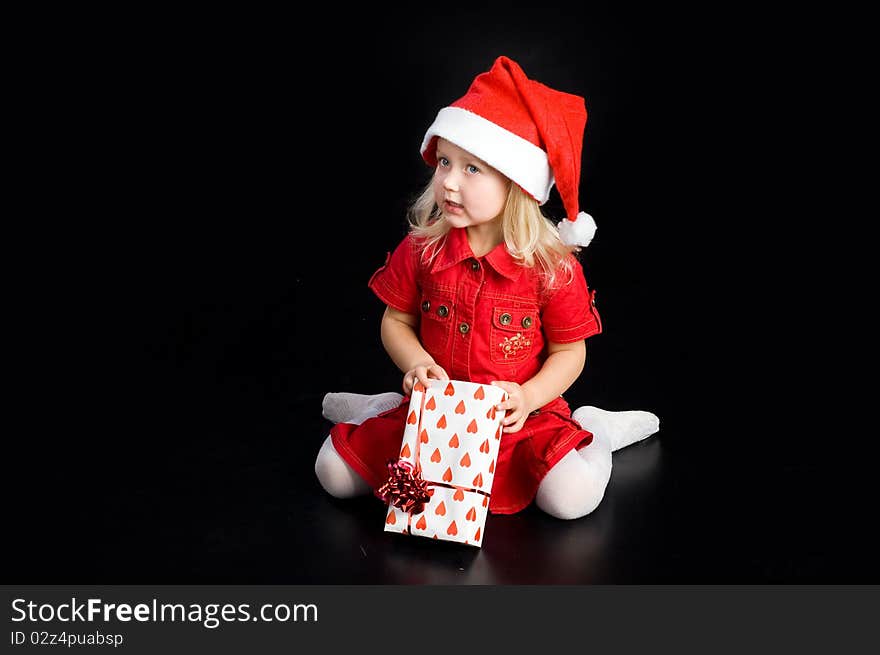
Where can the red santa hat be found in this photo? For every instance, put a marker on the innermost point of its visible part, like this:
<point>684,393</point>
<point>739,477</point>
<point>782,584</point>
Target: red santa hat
<point>529,132</point>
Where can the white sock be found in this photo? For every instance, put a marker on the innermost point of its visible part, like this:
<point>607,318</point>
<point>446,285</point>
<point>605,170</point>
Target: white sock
<point>618,429</point>
<point>357,407</point>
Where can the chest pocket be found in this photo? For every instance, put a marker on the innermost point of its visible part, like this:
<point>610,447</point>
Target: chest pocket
<point>436,320</point>
<point>513,334</point>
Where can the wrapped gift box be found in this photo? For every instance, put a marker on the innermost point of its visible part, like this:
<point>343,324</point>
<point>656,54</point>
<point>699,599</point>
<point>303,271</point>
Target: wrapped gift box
<point>440,486</point>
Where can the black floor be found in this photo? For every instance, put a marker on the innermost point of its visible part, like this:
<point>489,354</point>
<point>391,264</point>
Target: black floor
<point>215,484</point>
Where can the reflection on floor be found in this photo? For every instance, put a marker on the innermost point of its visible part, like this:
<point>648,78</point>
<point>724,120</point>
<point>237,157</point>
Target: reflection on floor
<point>231,497</point>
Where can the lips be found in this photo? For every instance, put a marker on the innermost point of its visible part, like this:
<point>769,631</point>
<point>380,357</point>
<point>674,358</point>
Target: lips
<point>452,207</point>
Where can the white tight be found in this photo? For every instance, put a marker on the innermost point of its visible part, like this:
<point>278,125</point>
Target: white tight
<point>571,489</point>
<point>575,486</point>
<point>336,476</point>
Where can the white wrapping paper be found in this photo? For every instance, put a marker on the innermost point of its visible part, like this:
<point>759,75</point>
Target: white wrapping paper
<point>452,436</point>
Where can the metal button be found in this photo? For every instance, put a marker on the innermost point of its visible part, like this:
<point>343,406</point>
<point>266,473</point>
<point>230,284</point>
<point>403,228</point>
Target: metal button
<point>426,305</point>
<point>464,328</point>
<point>475,265</point>
<point>527,322</point>
<point>443,310</point>
<point>505,319</point>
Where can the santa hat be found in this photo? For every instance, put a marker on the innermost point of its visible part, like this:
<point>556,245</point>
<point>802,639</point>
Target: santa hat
<point>527,131</point>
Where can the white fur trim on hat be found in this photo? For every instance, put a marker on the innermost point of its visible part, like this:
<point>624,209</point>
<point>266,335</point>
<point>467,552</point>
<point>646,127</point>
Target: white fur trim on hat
<point>579,233</point>
<point>519,159</point>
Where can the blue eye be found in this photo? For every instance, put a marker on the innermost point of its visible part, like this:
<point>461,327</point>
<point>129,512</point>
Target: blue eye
<point>475,169</point>
<point>443,161</point>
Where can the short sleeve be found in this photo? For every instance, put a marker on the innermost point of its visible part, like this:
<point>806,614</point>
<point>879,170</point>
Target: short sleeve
<point>396,282</point>
<point>570,313</point>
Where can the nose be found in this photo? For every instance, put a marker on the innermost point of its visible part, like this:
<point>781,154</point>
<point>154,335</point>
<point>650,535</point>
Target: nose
<point>450,181</point>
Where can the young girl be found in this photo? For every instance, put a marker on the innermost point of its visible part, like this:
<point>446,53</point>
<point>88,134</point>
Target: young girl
<point>485,288</point>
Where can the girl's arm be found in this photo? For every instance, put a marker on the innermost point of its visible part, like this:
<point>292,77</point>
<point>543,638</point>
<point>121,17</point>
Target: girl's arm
<point>402,344</point>
<point>563,366</point>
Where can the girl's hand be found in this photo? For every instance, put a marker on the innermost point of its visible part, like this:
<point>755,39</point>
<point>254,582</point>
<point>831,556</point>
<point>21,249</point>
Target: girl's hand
<point>517,406</point>
<point>422,373</point>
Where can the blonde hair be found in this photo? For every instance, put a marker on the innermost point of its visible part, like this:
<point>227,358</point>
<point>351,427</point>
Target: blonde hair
<point>530,237</point>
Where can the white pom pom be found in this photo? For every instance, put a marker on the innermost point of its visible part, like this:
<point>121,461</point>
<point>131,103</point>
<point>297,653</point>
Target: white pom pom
<point>579,233</point>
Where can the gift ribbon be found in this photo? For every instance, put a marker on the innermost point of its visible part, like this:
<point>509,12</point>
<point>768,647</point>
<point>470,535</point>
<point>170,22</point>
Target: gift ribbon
<point>406,488</point>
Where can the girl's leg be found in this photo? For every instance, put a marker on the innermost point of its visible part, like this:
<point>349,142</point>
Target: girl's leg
<point>336,476</point>
<point>575,486</point>
<point>620,429</point>
<point>357,407</point>
<point>334,473</point>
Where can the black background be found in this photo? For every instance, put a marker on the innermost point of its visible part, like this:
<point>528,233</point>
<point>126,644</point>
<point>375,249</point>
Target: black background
<point>214,194</point>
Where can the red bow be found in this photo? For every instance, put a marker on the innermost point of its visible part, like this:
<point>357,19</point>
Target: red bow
<point>404,489</point>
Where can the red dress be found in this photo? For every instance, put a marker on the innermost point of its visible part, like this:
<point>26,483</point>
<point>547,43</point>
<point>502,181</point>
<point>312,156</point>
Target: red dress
<point>482,319</point>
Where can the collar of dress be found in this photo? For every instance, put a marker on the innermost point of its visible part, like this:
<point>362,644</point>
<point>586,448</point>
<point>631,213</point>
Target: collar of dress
<point>456,249</point>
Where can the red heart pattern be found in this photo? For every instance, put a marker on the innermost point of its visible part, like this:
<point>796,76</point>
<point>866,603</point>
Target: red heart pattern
<point>452,504</point>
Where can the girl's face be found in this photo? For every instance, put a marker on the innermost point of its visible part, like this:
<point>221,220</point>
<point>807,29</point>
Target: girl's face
<point>468,191</point>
